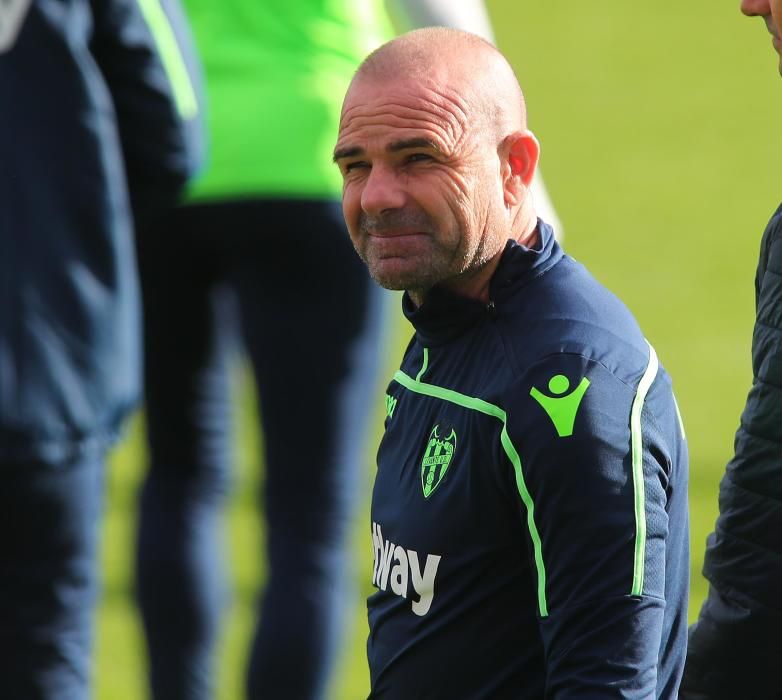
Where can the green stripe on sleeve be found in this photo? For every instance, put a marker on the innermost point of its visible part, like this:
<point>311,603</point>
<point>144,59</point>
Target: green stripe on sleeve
<point>537,546</point>
<point>171,57</point>
<point>424,365</point>
<point>489,409</point>
<point>636,434</point>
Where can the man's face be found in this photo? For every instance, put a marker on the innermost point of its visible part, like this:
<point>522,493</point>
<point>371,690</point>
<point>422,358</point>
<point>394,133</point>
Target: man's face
<point>771,12</point>
<point>422,189</point>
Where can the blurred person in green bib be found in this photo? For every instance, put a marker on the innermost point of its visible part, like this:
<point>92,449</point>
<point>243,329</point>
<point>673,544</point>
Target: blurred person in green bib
<point>259,251</point>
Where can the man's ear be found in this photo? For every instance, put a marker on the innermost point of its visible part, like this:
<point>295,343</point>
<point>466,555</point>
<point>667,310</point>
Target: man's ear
<point>523,151</point>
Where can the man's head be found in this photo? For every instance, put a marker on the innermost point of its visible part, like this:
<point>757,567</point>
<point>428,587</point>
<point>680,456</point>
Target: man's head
<point>437,162</point>
<point>771,12</point>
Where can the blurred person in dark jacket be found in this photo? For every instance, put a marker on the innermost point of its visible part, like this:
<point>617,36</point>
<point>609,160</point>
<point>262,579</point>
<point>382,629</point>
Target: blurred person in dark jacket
<point>98,126</point>
<point>735,647</point>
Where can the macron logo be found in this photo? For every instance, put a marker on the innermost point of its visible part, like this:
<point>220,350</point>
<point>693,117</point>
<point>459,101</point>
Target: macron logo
<point>400,567</point>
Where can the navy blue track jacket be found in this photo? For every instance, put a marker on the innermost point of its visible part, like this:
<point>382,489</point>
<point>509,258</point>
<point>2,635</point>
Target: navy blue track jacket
<point>85,100</point>
<point>529,514</point>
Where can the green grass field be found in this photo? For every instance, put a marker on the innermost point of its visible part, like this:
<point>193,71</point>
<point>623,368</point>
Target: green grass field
<point>660,132</point>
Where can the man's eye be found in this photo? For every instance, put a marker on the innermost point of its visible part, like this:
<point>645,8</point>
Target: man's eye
<point>356,165</point>
<point>418,157</point>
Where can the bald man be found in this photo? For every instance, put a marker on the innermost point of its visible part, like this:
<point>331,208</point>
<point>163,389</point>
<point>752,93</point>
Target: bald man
<point>529,514</point>
<point>735,647</point>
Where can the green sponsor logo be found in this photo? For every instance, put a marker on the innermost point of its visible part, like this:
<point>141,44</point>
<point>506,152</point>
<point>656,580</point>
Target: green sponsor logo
<point>561,407</point>
<point>390,405</point>
<point>437,458</point>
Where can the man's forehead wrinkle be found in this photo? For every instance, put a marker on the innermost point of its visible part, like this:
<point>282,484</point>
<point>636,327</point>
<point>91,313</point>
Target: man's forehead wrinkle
<point>452,104</point>
<point>442,139</point>
<point>445,99</point>
<point>438,109</point>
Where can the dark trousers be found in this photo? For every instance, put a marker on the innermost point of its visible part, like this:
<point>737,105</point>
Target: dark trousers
<point>49,515</point>
<point>310,322</point>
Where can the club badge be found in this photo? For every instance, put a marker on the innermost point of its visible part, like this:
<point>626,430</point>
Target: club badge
<point>437,458</point>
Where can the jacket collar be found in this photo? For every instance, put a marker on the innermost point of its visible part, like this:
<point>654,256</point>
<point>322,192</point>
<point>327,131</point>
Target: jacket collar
<point>444,315</point>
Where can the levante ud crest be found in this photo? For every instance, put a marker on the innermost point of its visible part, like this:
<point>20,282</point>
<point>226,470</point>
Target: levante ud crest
<point>437,458</point>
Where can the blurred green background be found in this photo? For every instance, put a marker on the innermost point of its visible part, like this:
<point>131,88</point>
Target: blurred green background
<point>660,129</point>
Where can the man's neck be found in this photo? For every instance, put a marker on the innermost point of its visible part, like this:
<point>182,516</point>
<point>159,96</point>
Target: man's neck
<point>472,285</point>
<point>526,223</point>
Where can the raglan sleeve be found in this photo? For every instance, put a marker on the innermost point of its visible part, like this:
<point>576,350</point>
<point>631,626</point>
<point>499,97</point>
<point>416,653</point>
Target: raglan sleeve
<point>145,52</point>
<point>593,472</point>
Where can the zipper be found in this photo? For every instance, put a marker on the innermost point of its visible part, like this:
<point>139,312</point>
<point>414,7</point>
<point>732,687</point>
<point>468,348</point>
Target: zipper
<point>491,308</point>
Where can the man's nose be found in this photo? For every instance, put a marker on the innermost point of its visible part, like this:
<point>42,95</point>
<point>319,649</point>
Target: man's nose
<point>755,8</point>
<point>382,191</point>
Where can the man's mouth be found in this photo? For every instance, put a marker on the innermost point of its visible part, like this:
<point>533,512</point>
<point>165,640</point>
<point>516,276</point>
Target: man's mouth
<point>395,233</point>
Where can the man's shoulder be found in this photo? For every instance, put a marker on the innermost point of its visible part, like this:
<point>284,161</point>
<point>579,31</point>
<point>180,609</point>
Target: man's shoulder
<point>770,249</point>
<point>566,311</point>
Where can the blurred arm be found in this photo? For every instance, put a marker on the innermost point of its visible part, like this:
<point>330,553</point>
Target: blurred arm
<point>145,54</point>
